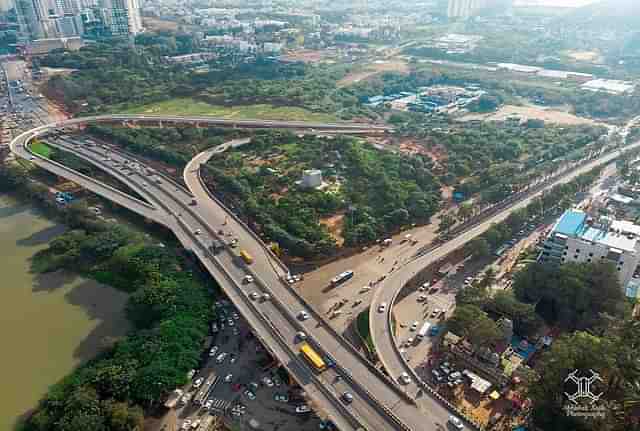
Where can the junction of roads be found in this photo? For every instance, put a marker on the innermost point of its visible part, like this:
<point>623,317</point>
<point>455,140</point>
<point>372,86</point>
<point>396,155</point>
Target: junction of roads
<point>196,217</point>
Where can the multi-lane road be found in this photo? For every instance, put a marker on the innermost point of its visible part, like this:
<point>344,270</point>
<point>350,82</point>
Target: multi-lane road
<point>378,403</point>
<point>381,322</point>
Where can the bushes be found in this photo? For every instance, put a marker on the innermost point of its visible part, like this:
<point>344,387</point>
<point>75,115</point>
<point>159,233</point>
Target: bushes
<point>170,310</point>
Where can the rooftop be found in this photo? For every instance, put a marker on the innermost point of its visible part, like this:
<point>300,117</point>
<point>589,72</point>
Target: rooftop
<point>620,235</point>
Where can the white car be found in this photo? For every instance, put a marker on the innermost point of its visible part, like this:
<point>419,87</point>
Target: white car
<point>254,295</point>
<point>456,423</point>
<point>382,307</point>
<point>247,279</point>
<point>303,315</point>
<point>267,382</point>
<point>301,336</point>
<point>414,326</point>
<point>197,232</point>
<point>186,424</point>
<point>405,379</point>
<point>365,289</point>
<point>198,382</point>
<point>213,351</point>
<point>208,404</point>
<point>228,378</point>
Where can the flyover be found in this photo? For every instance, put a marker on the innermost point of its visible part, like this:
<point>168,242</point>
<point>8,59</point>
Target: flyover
<point>378,404</point>
<point>388,291</point>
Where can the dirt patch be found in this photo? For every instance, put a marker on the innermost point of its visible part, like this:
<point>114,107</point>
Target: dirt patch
<point>373,69</point>
<point>160,24</point>
<point>550,115</point>
<point>588,56</point>
<point>307,56</point>
<point>335,225</point>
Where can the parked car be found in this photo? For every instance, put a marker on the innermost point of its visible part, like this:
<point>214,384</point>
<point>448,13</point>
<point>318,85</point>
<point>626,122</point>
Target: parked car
<point>250,395</point>
<point>405,379</point>
<point>198,382</point>
<point>347,397</point>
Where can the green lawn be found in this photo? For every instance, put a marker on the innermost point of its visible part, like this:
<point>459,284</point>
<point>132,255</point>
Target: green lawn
<point>41,149</point>
<point>189,106</point>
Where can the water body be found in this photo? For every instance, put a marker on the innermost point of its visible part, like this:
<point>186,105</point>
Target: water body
<point>49,323</point>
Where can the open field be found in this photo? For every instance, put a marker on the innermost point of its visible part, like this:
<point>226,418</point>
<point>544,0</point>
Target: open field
<point>189,106</point>
<point>395,65</point>
<point>159,24</point>
<point>590,56</point>
<point>532,112</point>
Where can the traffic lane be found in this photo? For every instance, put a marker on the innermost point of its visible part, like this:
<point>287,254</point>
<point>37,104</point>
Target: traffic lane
<point>324,338</point>
<point>388,352</point>
<point>368,414</point>
<point>111,194</point>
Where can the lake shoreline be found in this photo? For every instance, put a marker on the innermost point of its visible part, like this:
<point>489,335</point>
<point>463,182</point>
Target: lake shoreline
<point>52,322</point>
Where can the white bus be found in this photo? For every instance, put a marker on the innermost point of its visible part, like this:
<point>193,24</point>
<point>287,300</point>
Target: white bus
<point>341,278</point>
<point>424,330</point>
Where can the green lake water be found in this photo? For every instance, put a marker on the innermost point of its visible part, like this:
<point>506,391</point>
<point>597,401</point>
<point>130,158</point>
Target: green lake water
<point>49,323</point>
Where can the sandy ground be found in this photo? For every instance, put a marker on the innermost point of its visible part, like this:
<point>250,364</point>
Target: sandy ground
<point>530,111</point>
<point>591,56</point>
<point>159,24</point>
<point>374,68</point>
<point>308,55</point>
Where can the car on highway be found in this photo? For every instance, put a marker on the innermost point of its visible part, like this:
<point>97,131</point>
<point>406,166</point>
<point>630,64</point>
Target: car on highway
<point>303,408</point>
<point>455,422</point>
<point>303,315</point>
<point>247,279</point>
<point>347,397</point>
<point>422,298</point>
<point>382,307</point>
<point>405,379</point>
<point>424,287</point>
<point>254,295</point>
<point>301,336</point>
<point>197,232</point>
<point>266,297</point>
<point>414,326</point>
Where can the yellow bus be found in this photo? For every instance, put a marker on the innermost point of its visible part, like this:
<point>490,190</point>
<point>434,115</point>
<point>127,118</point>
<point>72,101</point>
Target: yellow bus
<point>312,357</point>
<point>248,259</point>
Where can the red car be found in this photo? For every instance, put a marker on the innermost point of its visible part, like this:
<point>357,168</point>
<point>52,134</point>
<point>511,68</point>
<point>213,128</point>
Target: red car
<point>236,387</point>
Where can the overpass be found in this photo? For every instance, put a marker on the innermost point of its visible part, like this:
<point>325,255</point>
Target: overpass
<point>378,404</point>
<point>381,324</point>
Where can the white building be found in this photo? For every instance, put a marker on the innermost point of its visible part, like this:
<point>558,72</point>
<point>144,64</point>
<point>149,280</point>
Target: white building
<point>610,86</point>
<point>576,237</point>
<point>311,178</point>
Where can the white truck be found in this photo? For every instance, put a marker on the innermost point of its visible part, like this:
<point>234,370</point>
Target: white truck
<point>424,330</point>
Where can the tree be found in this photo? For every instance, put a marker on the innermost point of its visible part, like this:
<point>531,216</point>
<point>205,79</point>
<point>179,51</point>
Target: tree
<point>465,210</point>
<point>478,247</point>
<point>471,322</point>
<point>447,221</point>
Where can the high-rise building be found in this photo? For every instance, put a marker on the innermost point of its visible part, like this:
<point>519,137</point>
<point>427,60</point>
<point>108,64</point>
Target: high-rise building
<point>576,237</point>
<point>468,8</point>
<point>122,16</point>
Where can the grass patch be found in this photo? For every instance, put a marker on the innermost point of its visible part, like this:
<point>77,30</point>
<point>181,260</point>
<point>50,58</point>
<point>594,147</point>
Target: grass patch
<point>190,106</point>
<point>41,149</point>
<point>362,326</point>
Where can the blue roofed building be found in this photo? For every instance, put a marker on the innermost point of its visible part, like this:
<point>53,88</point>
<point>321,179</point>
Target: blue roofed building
<point>577,237</point>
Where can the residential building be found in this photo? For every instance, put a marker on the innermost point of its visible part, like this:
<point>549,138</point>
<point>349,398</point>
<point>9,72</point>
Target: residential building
<point>311,178</point>
<point>577,237</point>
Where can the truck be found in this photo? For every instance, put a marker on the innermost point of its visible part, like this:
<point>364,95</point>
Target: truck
<point>424,330</point>
<point>341,278</point>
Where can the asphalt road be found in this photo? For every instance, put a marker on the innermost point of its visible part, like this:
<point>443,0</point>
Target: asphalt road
<point>274,321</point>
<point>380,322</point>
